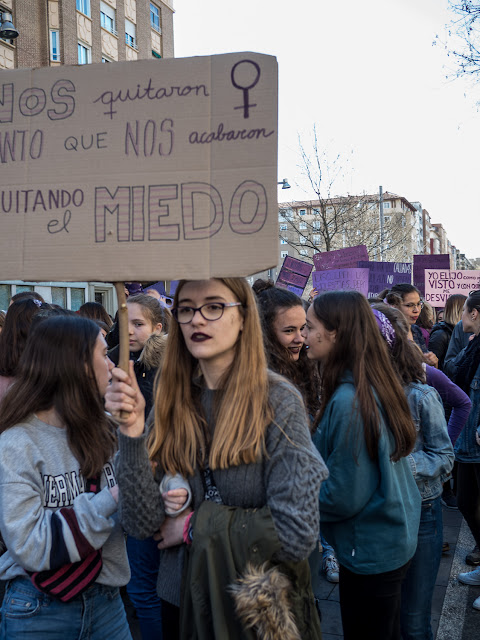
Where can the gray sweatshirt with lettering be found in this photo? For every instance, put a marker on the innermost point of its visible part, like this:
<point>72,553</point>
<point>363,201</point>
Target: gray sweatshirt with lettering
<point>47,518</point>
<point>287,479</point>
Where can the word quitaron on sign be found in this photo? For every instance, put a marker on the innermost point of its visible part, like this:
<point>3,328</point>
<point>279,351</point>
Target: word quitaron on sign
<point>173,161</point>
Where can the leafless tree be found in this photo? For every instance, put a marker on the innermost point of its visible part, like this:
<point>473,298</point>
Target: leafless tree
<point>465,28</point>
<point>333,222</point>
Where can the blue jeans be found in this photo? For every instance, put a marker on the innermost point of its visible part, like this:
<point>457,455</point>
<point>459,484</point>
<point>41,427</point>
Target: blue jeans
<point>417,589</point>
<point>29,614</point>
<point>144,559</point>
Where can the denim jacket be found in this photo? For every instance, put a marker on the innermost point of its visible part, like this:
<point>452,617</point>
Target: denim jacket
<point>432,458</point>
<point>466,447</point>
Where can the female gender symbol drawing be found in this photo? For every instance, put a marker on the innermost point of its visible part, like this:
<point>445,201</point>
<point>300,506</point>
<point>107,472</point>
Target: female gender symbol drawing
<point>246,106</point>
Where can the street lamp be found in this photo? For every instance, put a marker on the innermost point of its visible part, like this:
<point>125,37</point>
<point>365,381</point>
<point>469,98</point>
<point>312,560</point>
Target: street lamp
<point>7,30</point>
<point>284,184</point>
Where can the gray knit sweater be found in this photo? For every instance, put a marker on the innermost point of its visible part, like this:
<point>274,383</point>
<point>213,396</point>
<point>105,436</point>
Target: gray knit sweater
<point>287,479</point>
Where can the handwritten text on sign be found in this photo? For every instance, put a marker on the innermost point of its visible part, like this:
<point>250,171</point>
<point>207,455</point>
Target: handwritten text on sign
<point>340,258</point>
<point>340,279</point>
<point>383,275</point>
<point>294,275</point>
<point>440,284</point>
<point>171,162</point>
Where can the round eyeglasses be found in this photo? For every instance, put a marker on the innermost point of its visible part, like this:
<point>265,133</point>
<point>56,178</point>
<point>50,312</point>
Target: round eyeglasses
<point>209,311</point>
<point>413,305</point>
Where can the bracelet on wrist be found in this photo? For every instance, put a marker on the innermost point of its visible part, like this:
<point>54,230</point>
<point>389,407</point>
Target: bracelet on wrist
<point>187,529</point>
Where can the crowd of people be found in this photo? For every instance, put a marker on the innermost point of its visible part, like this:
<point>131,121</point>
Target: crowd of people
<point>252,430</point>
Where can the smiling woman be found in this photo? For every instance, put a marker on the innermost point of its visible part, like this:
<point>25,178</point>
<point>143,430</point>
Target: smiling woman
<point>239,435</point>
<point>283,319</point>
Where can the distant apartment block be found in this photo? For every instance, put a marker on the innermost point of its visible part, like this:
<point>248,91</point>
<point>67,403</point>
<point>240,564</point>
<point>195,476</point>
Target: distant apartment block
<point>56,32</point>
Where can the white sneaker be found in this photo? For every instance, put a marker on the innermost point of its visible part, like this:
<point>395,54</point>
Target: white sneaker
<point>471,577</point>
<point>476,603</point>
<point>331,569</point>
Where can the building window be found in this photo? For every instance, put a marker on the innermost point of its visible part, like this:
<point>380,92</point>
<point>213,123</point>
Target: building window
<point>84,7</point>
<point>386,205</point>
<point>130,34</point>
<point>303,252</point>
<point>155,18</point>
<point>303,225</point>
<point>77,298</point>
<point>316,212</point>
<point>107,18</point>
<point>55,46</point>
<point>317,240</point>
<point>283,254</point>
<point>105,59</point>
<point>283,227</point>
<point>283,241</point>
<point>303,212</point>
<point>303,240</point>
<point>84,54</point>
<point>317,225</point>
<point>59,296</point>
<point>386,218</point>
<point>5,295</point>
<point>155,54</point>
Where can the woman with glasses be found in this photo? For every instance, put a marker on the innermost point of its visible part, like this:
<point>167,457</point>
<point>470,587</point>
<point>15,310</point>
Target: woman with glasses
<point>406,298</point>
<point>239,435</point>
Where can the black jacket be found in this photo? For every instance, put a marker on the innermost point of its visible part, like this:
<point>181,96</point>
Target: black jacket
<point>439,340</point>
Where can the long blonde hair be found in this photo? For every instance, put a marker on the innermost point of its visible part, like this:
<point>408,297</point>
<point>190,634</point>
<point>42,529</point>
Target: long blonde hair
<point>178,440</point>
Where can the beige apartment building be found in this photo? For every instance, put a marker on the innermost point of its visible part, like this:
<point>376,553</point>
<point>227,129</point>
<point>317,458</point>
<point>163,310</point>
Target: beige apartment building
<point>56,32</point>
<point>314,226</point>
<point>71,32</point>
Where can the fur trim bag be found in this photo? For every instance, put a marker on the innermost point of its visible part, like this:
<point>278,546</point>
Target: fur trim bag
<point>263,603</point>
<point>268,601</point>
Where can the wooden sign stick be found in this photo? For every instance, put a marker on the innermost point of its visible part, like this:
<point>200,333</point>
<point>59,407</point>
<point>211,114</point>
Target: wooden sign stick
<point>122,326</point>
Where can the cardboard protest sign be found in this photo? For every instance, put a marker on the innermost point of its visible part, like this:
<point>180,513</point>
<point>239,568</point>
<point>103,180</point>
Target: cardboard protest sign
<point>294,273</point>
<point>340,258</point>
<point>139,171</point>
<point>441,284</point>
<point>338,279</point>
<point>430,261</point>
<point>386,274</point>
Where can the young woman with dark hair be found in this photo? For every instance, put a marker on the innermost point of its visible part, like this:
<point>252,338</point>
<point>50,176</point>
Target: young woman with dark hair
<point>467,449</point>
<point>58,493</point>
<point>406,298</point>
<point>370,504</point>
<point>431,462</point>
<point>240,436</point>
<point>14,336</point>
<point>283,320</point>
<point>95,311</point>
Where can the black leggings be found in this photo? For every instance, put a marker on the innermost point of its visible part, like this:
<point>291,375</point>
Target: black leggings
<point>170,621</point>
<point>370,604</point>
<point>468,495</point>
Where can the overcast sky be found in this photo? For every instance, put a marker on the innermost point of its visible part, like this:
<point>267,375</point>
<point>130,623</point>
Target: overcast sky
<point>368,76</point>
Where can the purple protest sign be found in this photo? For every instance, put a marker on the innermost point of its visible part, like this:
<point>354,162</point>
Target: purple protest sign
<point>295,273</point>
<point>340,279</point>
<point>384,275</point>
<point>429,261</point>
<point>298,266</point>
<point>290,287</point>
<point>341,258</point>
